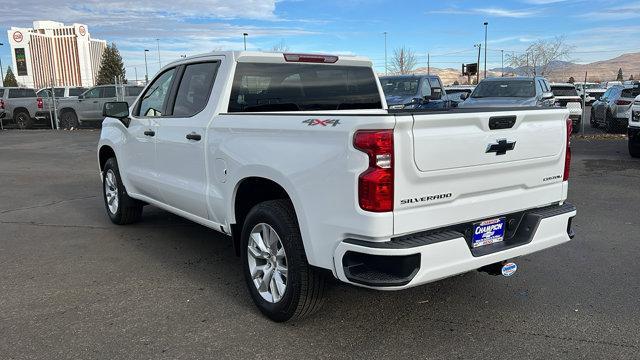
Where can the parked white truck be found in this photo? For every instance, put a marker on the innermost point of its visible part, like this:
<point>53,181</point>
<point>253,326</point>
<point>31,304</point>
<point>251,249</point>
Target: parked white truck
<point>298,160</point>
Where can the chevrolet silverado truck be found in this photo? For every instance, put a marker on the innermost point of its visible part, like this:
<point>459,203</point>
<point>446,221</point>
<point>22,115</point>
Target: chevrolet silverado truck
<point>20,106</point>
<point>86,108</point>
<point>298,160</point>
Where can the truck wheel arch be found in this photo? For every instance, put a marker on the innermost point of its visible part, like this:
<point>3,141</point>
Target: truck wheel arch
<point>249,192</point>
<point>104,154</point>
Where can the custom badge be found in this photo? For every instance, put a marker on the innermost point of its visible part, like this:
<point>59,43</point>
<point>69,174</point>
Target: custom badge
<point>322,122</point>
<point>509,269</point>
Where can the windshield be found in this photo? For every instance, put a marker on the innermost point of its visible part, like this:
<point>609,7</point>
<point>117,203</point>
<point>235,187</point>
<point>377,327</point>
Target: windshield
<point>399,86</point>
<point>564,91</point>
<point>505,88</point>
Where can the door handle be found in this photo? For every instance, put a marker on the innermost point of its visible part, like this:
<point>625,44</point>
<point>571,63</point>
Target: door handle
<point>150,133</point>
<point>194,136</point>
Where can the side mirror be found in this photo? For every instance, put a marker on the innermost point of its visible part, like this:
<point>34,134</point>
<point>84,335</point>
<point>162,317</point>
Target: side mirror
<point>118,110</point>
<point>464,96</point>
<point>436,94</point>
<point>547,96</point>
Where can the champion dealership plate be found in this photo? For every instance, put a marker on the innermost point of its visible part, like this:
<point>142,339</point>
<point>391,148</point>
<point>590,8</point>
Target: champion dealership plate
<point>488,232</point>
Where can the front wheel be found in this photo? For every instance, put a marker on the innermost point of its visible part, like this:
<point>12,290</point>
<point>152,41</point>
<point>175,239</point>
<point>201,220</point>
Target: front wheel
<point>23,120</point>
<point>121,208</point>
<point>281,282</point>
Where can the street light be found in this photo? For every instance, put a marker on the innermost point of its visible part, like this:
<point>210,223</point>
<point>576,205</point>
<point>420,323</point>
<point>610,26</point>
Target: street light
<point>1,71</point>
<point>486,26</point>
<point>385,52</point>
<point>146,69</point>
<point>502,68</point>
<point>244,38</point>
<point>159,62</point>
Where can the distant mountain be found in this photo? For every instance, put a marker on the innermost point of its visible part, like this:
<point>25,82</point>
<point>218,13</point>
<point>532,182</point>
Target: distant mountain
<point>561,71</point>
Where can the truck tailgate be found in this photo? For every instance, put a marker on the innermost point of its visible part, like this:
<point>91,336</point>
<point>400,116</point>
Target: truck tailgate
<point>458,167</point>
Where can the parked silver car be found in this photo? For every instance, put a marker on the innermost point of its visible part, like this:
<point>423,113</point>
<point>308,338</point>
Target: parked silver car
<point>87,108</point>
<point>612,111</point>
<point>20,106</point>
<point>511,92</point>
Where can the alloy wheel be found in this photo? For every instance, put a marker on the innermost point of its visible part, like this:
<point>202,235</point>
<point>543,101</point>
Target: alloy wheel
<point>111,191</point>
<point>267,262</point>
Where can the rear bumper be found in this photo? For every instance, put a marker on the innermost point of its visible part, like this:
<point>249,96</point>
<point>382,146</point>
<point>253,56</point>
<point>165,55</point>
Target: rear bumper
<point>426,257</point>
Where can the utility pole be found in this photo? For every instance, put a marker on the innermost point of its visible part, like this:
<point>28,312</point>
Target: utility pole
<point>428,64</point>
<point>1,71</point>
<point>244,38</point>
<point>159,61</point>
<point>479,46</point>
<point>385,53</point>
<point>146,68</point>
<point>486,27</point>
<point>135,69</point>
<point>584,106</point>
<point>502,68</point>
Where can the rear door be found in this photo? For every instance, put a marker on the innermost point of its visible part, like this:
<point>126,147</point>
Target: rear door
<point>457,167</point>
<point>181,141</point>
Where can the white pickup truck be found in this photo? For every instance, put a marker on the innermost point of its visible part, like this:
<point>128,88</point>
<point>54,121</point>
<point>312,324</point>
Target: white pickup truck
<point>297,158</point>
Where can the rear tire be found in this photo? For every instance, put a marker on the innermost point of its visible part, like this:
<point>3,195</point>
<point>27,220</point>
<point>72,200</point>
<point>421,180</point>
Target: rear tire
<point>592,120</point>
<point>68,120</point>
<point>297,294</point>
<point>23,120</point>
<point>609,126</point>
<point>121,208</point>
<point>634,150</point>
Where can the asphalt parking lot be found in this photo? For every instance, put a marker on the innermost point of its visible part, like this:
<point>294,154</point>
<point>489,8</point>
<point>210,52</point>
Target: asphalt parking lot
<point>72,285</point>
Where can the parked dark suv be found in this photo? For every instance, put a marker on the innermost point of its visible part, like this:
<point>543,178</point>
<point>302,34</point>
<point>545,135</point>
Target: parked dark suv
<point>414,92</point>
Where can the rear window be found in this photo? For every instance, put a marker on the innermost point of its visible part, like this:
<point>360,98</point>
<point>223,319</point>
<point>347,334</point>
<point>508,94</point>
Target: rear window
<point>133,90</point>
<point>506,88</point>
<point>564,91</point>
<point>630,93</point>
<point>302,87</point>
<point>400,86</point>
<point>22,93</point>
<point>76,91</point>
<point>1,92</point>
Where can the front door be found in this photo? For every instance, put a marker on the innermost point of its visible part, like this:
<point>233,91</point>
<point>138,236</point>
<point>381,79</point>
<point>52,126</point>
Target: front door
<point>141,145</point>
<point>87,105</point>
<point>181,142</point>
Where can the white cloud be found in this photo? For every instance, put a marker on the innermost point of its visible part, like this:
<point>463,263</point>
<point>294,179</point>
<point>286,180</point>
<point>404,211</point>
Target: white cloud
<point>491,11</point>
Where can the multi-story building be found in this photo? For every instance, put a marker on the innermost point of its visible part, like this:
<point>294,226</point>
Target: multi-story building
<point>52,52</point>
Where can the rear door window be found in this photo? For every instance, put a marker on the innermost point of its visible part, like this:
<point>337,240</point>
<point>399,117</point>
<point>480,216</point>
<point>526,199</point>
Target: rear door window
<point>93,93</point>
<point>1,93</point>
<point>133,90</point>
<point>261,87</point>
<point>76,91</point>
<point>109,92</point>
<point>195,89</point>
<point>22,93</point>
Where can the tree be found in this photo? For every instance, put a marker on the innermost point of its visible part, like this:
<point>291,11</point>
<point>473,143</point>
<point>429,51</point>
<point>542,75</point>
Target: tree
<point>404,61</point>
<point>9,78</point>
<point>111,66</point>
<point>456,82</point>
<point>631,77</point>
<point>540,55</point>
<point>280,47</point>
<point>571,80</point>
<point>620,76</point>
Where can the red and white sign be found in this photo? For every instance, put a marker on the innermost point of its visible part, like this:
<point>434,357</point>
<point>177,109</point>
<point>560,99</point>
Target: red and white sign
<point>17,36</point>
<point>82,31</point>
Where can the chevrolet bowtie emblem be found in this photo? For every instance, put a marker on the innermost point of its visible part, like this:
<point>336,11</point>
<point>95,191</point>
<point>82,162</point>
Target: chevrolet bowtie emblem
<point>501,147</point>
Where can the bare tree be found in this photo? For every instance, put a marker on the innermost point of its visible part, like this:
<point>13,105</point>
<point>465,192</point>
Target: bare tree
<point>538,57</point>
<point>404,61</point>
<point>280,47</point>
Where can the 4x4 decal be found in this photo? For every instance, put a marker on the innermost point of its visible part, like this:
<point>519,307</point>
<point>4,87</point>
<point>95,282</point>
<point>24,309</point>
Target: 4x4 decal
<point>322,122</point>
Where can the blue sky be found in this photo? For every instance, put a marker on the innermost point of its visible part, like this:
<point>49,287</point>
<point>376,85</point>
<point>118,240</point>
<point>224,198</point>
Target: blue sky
<point>445,29</point>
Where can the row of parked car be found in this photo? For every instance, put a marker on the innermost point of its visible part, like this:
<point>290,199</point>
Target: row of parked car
<point>74,106</point>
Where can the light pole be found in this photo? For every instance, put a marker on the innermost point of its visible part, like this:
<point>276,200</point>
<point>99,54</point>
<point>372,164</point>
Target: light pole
<point>159,61</point>
<point>1,71</point>
<point>146,69</point>
<point>244,38</point>
<point>385,52</point>
<point>486,27</point>
<point>502,68</point>
<point>479,46</point>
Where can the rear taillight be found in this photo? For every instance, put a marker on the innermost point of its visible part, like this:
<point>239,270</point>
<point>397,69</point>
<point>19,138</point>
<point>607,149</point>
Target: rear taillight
<point>40,104</point>
<point>623,102</point>
<point>1,104</point>
<point>375,185</point>
<point>567,157</point>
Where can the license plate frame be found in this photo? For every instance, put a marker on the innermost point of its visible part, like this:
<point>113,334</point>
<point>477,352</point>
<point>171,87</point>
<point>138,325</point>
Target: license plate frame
<point>488,232</point>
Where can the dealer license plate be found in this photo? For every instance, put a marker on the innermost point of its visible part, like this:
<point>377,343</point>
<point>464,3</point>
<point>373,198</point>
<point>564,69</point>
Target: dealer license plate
<point>488,232</point>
